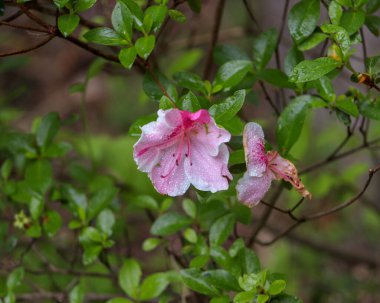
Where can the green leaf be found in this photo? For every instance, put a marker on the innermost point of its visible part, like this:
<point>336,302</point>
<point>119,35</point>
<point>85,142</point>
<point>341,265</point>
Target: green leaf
<point>36,206</point>
<point>169,223</point>
<point>232,73</point>
<point>190,235</point>
<point>347,105</point>
<point>122,20</point>
<point>276,78</point>
<point>106,221</point>
<point>136,11</point>
<point>370,109</point>
<point>189,80</point>
<point>101,200</point>
<point>225,53</point>
<point>189,207</point>
<point>90,235</point>
<point>119,300</point>
<point>91,253</point>
<point>60,3</point>
<point>262,298</point>
<point>303,18</point>
<point>150,244</point>
<point>157,14</point>
<point>249,262</point>
<point>199,261</point>
<point>309,70</point>
<point>68,23</point>
<point>76,294</point>
<point>263,48</point>
<point>195,281</point>
<point>277,287</point>
<point>373,65</point>
<point>325,89</point>
<point>373,6</point>
<point>47,129</point>
<point>290,122</point>
<point>135,128</point>
<point>127,56</point>
<point>153,286</point>
<point>229,108</point>
<point>129,277</point>
<point>177,15</point>
<point>105,36</point>
<point>52,222</point>
<point>6,169</point>
<point>195,5</point>
<point>190,102</point>
<point>352,21</point>
<point>335,12</point>
<point>145,45</point>
<point>292,58</point>
<point>312,41</point>
<point>15,278</point>
<point>224,299</point>
<point>77,200</point>
<point>34,231</point>
<point>153,90</point>
<point>221,279</point>
<point>221,229</point>
<point>373,24</point>
<point>38,175</point>
<point>82,5</point>
<point>244,297</point>
<point>146,202</point>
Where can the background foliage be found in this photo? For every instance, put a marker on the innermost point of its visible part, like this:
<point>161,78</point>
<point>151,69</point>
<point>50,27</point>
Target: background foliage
<point>79,223</point>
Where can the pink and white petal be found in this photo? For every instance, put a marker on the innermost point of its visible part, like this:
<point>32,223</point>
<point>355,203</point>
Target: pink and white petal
<point>254,149</point>
<point>251,190</point>
<point>169,177</point>
<point>147,160</point>
<point>201,116</point>
<point>206,172</point>
<point>210,136</point>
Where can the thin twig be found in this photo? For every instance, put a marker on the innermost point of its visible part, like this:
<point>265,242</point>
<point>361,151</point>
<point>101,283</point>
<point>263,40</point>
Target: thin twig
<point>251,15</point>
<point>269,99</point>
<point>26,50</point>
<point>214,39</point>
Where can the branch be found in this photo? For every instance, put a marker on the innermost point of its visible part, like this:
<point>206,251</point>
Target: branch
<point>214,38</point>
<point>269,99</point>
<point>251,15</point>
<point>26,50</point>
<point>318,215</point>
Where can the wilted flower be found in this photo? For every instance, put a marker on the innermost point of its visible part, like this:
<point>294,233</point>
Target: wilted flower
<point>263,167</point>
<point>183,148</point>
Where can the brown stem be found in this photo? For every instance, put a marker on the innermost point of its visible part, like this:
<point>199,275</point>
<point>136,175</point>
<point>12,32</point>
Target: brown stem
<point>26,50</point>
<point>214,39</point>
<point>269,99</point>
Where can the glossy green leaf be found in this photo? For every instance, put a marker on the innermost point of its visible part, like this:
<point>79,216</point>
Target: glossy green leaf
<point>52,222</point>
<point>127,56</point>
<point>78,201</point>
<point>129,277</point>
<point>190,102</point>
<point>136,11</point>
<point>145,45</point>
<point>221,229</point>
<point>232,73</point>
<point>119,300</point>
<point>221,279</point>
<point>157,14</point>
<point>150,244</point>
<point>263,48</point>
<point>370,109</point>
<point>38,175</point>
<point>189,207</point>
<point>68,23</point>
<point>195,281</point>
<point>335,12</point>
<point>106,221</point>
<point>373,24</point>
<point>290,122</point>
<point>249,261</point>
<point>189,80</point>
<point>47,129</point>
<point>227,109</point>
<point>303,18</point>
<point>312,41</point>
<point>225,53</point>
<point>169,223</point>
<point>325,89</point>
<point>177,15</point>
<point>292,58</point>
<point>122,20</point>
<point>190,235</point>
<point>347,105</point>
<point>352,21</point>
<point>309,70</point>
<point>82,5</point>
<point>244,297</point>
<point>277,287</point>
<point>105,36</point>
<point>153,286</point>
<point>36,206</point>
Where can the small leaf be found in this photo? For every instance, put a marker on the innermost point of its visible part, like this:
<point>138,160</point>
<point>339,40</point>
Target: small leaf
<point>100,200</point>
<point>36,206</point>
<point>119,300</point>
<point>47,129</point>
<point>177,15</point>
<point>153,286</point>
<point>229,108</point>
<point>52,222</point>
<point>15,278</point>
<point>150,244</point>
<point>129,277</point>
<point>312,41</point>
<point>83,5</point>
<point>157,14</point>
<point>347,105</point>
<point>169,223</point>
<point>221,279</point>
<point>6,169</point>
<point>352,21</point>
<point>370,109</point>
<point>38,175</point>
<point>221,229</point>
<point>122,20</point>
<point>292,58</point>
<point>232,73</point>
<point>277,287</point>
<point>190,235</point>
<point>127,56</point>
<point>145,45</point>
<point>76,294</point>
<point>105,36</point>
<point>303,18</point>
<point>190,102</point>
<point>189,80</point>
<point>335,12</point>
<point>68,23</point>
<point>263,48</point>
<point>194,280</point>
<point>189,207</point>
<point>106,221</point>
<point>309,70</point>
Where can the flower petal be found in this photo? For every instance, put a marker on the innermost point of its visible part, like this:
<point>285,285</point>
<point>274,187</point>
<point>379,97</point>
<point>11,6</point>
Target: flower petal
<point>157,136</point>
<point>285,170</point>
<point>206,172</point>
<point>210,136</point>
<point>168,175</point>
<point>254,149</point>
<point>251,190</point>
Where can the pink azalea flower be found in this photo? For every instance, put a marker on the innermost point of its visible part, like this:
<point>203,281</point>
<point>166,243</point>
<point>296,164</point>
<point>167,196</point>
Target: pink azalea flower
<point>262,168</point>
<point>183,148</point>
